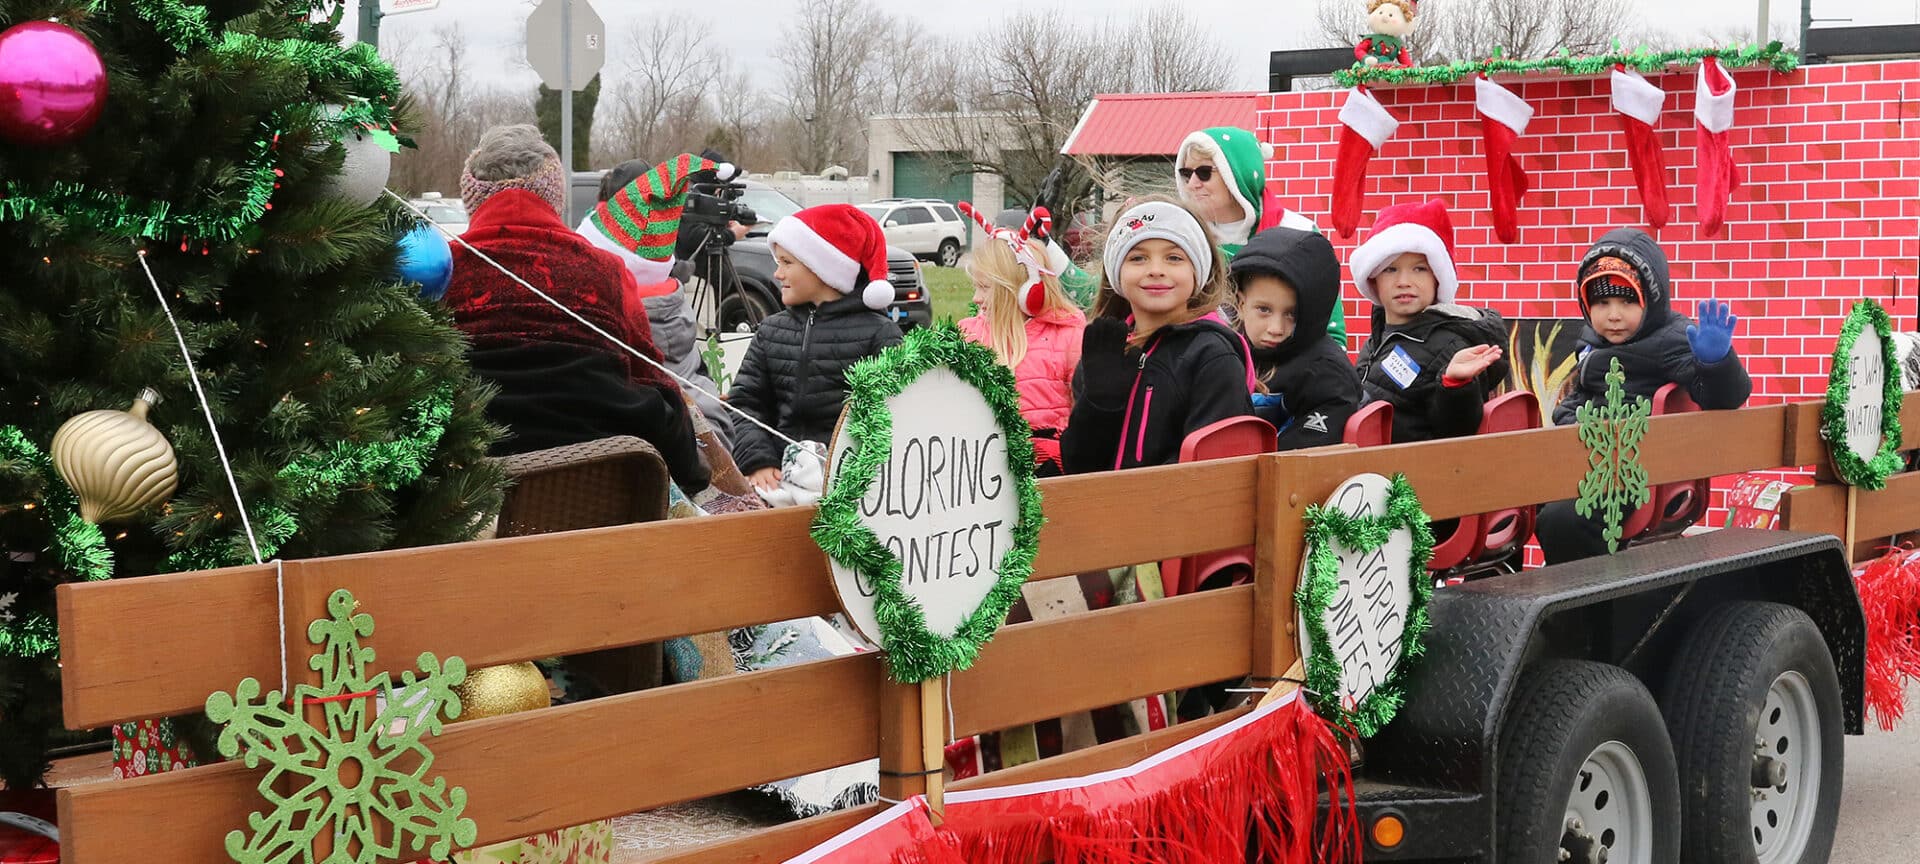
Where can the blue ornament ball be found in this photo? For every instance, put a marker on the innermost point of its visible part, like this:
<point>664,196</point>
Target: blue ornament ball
<point>427,260</point>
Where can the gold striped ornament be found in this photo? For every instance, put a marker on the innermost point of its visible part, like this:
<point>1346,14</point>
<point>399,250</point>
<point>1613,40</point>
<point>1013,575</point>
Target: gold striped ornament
<point>116,462</point>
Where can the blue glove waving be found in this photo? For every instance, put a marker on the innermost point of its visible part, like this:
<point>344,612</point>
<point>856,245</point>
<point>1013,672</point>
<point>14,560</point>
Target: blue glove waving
<point>1712,336</point>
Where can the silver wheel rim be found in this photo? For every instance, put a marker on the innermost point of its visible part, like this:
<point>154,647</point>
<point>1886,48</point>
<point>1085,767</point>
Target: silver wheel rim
<point>1611,802</point>
<point>1788,732</point>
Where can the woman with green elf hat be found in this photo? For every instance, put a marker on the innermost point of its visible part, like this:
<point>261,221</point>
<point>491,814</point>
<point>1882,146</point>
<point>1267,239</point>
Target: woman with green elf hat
<point>1222,172</point>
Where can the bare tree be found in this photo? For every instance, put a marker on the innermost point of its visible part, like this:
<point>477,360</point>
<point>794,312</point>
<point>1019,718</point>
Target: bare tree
<point>741,121</point>
<point>1025,82</point>
<point>1174,53</point>
<point>1452,30</point>
<point>915,72</point>
<point>448,111</point>
<point>669,67</point>
<point>826,59</point>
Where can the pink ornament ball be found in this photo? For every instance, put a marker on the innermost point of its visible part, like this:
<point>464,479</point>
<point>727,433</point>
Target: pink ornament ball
<point>53,84</point>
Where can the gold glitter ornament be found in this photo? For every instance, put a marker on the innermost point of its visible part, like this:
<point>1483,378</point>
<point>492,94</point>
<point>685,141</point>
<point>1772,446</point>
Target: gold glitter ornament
<point>497,690</point>
<point>116,462</point>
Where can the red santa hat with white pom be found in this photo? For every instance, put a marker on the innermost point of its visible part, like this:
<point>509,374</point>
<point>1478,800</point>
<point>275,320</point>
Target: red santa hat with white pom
<point>841,245</point>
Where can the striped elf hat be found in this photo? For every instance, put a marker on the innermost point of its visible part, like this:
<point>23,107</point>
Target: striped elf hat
<point>641,222</point>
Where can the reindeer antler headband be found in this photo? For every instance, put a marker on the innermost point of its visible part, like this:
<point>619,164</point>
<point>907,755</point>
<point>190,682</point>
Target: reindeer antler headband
<point>1033,295</point>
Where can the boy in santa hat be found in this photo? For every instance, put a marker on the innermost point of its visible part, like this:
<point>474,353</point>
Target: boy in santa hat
<point>1435,360</point>
<point>1222,172</point>
<point>831,263</point>
<point>1626,294</point>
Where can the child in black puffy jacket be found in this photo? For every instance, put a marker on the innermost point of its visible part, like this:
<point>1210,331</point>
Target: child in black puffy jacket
<point>1286,286</point>
<point>1436,361</point>
<point>832,268</point>
<point>1626,294</point>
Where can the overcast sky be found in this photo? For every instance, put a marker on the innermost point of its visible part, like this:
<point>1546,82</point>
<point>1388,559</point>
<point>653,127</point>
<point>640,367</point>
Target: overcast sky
<point>1248,28</point>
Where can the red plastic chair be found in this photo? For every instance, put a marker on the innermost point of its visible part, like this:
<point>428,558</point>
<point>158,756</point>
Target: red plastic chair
<point>1371,426</point>
<point>1234,436</point>
<point>1675,506</point>
<point>1505,532</point>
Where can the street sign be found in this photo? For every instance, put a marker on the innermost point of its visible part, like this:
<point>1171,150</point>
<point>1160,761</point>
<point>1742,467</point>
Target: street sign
<point>587,44</point>
<point>401,7</point>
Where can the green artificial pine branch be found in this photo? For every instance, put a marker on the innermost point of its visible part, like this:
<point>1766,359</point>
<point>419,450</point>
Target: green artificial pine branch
<point>312,355</point>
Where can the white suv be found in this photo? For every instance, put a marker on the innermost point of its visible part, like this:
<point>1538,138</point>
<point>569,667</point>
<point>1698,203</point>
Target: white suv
<point>928,228</point>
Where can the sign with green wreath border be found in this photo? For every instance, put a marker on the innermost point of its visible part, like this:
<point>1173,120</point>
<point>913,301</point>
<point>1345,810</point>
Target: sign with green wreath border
<point>931,517</point>
<point>1861,420</point>
<point>1363,598</point>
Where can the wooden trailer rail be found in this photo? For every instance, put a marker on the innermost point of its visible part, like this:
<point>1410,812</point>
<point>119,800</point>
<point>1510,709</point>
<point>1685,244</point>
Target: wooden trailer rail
<point>158,646</point>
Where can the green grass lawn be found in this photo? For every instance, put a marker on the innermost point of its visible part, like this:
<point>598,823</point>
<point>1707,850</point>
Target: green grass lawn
<point>950,291</point>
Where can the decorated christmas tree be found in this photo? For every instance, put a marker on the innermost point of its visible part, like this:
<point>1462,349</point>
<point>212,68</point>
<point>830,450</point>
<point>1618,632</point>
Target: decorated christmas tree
<point>225,159</point>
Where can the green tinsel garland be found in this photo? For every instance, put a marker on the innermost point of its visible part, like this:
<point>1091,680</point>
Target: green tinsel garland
<point>1772,54</point>
<point>81,546</point>
<point>1325,527</point>
<point>913,652</point>
<point>1866,474</point>
<point>359,69</point>
<point>319,478</point>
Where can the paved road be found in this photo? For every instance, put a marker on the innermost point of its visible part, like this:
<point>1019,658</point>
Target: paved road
<point>1880,813</point>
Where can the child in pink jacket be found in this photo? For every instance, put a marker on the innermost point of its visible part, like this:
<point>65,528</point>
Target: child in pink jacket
<point>1026,318</point>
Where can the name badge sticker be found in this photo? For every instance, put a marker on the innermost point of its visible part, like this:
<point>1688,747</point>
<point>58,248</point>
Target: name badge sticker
<point>1400,367</point>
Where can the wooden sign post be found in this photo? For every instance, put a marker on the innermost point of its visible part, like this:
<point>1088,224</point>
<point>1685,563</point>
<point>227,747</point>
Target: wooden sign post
<point>930,520</point>
<point>1363,597</point>
<point>1862,414</point>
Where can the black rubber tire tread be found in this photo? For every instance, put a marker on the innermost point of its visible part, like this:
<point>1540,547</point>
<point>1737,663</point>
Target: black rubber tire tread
<point>949,251</point>
<point>1560,712</point>
<point>1730,658</point>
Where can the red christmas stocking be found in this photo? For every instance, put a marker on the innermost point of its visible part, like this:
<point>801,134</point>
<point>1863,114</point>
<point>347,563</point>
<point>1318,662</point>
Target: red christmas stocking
<point>1638,102</point>
<point>1716,176</point>
<point>1503,119</point>
<point>1364,126</point>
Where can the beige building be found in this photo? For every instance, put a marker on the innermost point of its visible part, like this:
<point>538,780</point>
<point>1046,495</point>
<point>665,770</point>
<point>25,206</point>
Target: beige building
<point>919,156</point>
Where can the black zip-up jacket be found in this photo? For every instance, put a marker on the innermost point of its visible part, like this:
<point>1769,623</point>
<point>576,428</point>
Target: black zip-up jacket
<point>1311,388</point>
<point>1424,408</point>
<point>1658,352</point>
<point>1186,377</point>
<point>794,377</point>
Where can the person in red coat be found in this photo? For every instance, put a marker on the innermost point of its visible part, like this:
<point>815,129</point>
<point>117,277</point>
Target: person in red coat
<point>560,382</point>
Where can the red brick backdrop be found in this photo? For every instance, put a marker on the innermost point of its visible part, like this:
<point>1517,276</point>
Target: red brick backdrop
<point>1829,210</point>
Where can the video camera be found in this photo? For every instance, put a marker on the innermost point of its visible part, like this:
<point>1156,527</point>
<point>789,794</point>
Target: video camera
<point>710,206</point>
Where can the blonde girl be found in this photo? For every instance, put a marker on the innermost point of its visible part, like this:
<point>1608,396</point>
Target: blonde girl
<point>1031,325</point>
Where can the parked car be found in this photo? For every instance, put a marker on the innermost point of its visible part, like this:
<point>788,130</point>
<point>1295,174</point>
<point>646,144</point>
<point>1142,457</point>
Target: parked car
<point>446,212</point>
<point>929,228</point>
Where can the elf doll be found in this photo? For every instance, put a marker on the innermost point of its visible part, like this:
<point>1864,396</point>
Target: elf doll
<point>1386,46</point>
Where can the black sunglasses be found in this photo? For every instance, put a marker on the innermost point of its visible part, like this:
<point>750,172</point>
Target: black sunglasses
<point>1204,172</point>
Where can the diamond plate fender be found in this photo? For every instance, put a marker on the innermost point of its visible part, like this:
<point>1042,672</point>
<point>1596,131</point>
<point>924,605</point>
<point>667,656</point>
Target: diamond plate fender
<point>1629,609</point>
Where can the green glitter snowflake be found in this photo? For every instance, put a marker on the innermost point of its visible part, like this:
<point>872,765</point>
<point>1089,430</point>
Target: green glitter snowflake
<point>364,777</point>
<point>1615,483</point>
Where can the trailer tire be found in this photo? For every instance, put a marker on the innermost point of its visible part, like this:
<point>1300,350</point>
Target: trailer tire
<point>1583,743</point>
<point>1753,697</point>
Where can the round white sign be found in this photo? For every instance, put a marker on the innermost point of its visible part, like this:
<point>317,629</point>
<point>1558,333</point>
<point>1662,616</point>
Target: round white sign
<point>1368,614</point>
<point>1866,394</point>
<point>944,504</point>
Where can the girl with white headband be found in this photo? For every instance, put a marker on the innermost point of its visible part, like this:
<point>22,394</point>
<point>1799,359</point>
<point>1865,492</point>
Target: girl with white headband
<point>1157,362</point>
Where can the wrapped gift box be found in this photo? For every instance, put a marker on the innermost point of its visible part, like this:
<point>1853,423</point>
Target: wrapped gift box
<point>149,747</point>
<point>23,837</point>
